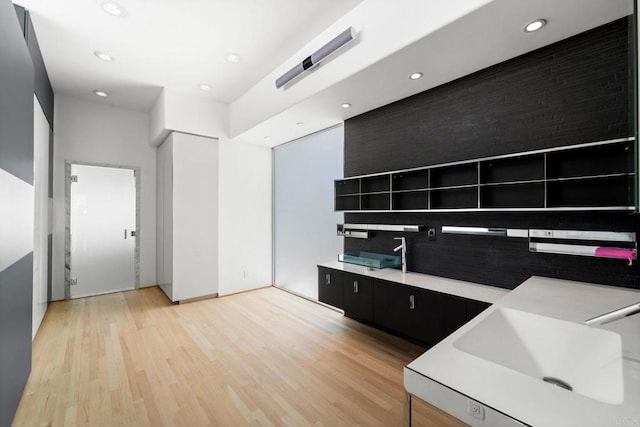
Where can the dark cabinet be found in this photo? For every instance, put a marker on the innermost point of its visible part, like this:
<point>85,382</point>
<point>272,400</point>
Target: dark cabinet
<point>330,286</point>
<point>475,307</point>
<point>357,296</point>
<point>417,313</point>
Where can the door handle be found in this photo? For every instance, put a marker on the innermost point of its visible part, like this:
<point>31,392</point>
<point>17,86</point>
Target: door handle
<point>125,234</point>
<point>412,302</point>
<point>327,279</point>
<point>355,286</point>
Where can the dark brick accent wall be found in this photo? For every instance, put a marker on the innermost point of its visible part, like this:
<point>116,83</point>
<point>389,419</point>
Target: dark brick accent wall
<point>574,91</point>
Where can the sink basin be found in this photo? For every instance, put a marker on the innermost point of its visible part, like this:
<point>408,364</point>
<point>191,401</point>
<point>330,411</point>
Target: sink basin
<point>370,259</point>
<point>589,360</point>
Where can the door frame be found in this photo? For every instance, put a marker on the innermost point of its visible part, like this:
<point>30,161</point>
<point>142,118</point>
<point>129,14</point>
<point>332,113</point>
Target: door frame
<point>67,224</point>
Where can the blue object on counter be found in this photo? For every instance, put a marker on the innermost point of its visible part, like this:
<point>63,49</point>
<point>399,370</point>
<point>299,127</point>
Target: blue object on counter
<point>370,259</point>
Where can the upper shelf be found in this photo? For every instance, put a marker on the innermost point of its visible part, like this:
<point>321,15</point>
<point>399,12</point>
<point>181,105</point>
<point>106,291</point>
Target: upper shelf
<point>592,176</point>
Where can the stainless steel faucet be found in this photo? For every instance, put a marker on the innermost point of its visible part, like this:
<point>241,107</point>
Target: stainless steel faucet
<point>403,247</point>
<point>614,315</point>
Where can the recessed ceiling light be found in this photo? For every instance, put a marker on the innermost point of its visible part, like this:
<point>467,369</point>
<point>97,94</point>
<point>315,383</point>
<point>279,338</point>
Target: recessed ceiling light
<point>299,123</point>
<point>112,8</point>
<point>267,137</point>
<point>104,56</point>
<point>535,25</point>
<point>205,87</point>
<point>232,57</point>
<point>100,93</point>
<point>346,105</point>
<point>416,76</point>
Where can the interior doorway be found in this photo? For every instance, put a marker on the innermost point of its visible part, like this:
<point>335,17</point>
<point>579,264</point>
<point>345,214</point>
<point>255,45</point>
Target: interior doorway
<point>102,248</point>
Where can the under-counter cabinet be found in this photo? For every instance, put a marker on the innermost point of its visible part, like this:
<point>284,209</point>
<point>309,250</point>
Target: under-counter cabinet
<point>330,286</point>
<point>357,296</point>
<point>417,314</point>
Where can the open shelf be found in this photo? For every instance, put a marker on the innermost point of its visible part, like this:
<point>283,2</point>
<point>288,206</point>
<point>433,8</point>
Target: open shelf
<point>592,176</point>
<point>414,200</point>
<point>411,180</point>
<point>527,195</point>
<point>513,169</point>
<point>454,176</point>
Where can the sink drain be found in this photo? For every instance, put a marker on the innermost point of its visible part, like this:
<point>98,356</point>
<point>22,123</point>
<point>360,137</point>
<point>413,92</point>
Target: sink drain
<point>558,382</point>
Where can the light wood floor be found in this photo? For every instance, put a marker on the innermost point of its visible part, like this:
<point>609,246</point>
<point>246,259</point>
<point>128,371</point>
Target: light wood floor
<point>258,358</point>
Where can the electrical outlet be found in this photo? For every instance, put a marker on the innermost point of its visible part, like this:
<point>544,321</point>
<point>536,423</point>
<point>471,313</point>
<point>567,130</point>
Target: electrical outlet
<point>476,410</point>
<point>431,234</point>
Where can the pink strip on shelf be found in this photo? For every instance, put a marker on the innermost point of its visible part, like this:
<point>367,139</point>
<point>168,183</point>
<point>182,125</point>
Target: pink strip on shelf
<point>620,253</point>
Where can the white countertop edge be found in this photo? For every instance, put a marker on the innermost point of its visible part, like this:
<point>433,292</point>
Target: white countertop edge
<point>524,397</point>
<point>469,290</point>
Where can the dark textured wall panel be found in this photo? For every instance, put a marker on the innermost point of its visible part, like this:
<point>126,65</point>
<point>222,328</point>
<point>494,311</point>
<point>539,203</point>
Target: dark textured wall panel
<point>16,296</point>
<point>574,91</point>
<point>43,89</point>
<point>570,92</point>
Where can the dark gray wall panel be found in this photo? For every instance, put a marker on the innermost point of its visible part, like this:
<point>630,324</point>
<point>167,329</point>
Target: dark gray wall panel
<point>16,157</point>
<point>16,97</point>
<point>16,296</point>
<point>43,89</point>
<point>577,90</point>
<point>22,14</point>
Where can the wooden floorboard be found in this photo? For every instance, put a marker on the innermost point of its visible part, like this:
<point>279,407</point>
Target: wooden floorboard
<point>264,357</point>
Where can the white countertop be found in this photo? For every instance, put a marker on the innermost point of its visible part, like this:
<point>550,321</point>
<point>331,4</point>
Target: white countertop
<point>474,291</point>
<point>529,399</point>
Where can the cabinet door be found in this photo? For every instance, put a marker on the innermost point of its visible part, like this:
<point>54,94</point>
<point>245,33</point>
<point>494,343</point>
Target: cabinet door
<point>436,316</point>
<point>416,313</point>
<point>357,296</point>
<point>330,286</point>
<point>392,306</point>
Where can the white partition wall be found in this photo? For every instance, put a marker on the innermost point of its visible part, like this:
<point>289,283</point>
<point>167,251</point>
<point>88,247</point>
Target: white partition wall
<point>41,213</point>
<point>187,218</point>
<point>305,223</point>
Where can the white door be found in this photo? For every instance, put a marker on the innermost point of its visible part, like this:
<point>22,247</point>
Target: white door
<point>103,217</point>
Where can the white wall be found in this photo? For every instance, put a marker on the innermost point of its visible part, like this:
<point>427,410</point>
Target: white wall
<point>244,189</point>
<point>41,213</point>
<point>98,133</point>
<point>245,217</point>
<point>176,111</point>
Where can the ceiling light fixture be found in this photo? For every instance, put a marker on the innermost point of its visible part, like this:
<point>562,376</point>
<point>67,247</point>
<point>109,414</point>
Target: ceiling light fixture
<point>112,8</point>
<point>535,25</point>
<point>346,105</point>
<point>267,137</point>
<point>299,124</point>
<point>205,87</point>
<point>316,57</point>
<point>416,76</point>
<point>100,93</point>
<point>234,58</point>
<point>104,56</point>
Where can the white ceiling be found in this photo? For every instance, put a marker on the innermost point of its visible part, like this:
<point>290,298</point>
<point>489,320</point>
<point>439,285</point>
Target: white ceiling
<point>173,44</point>
<point>178,45</point>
